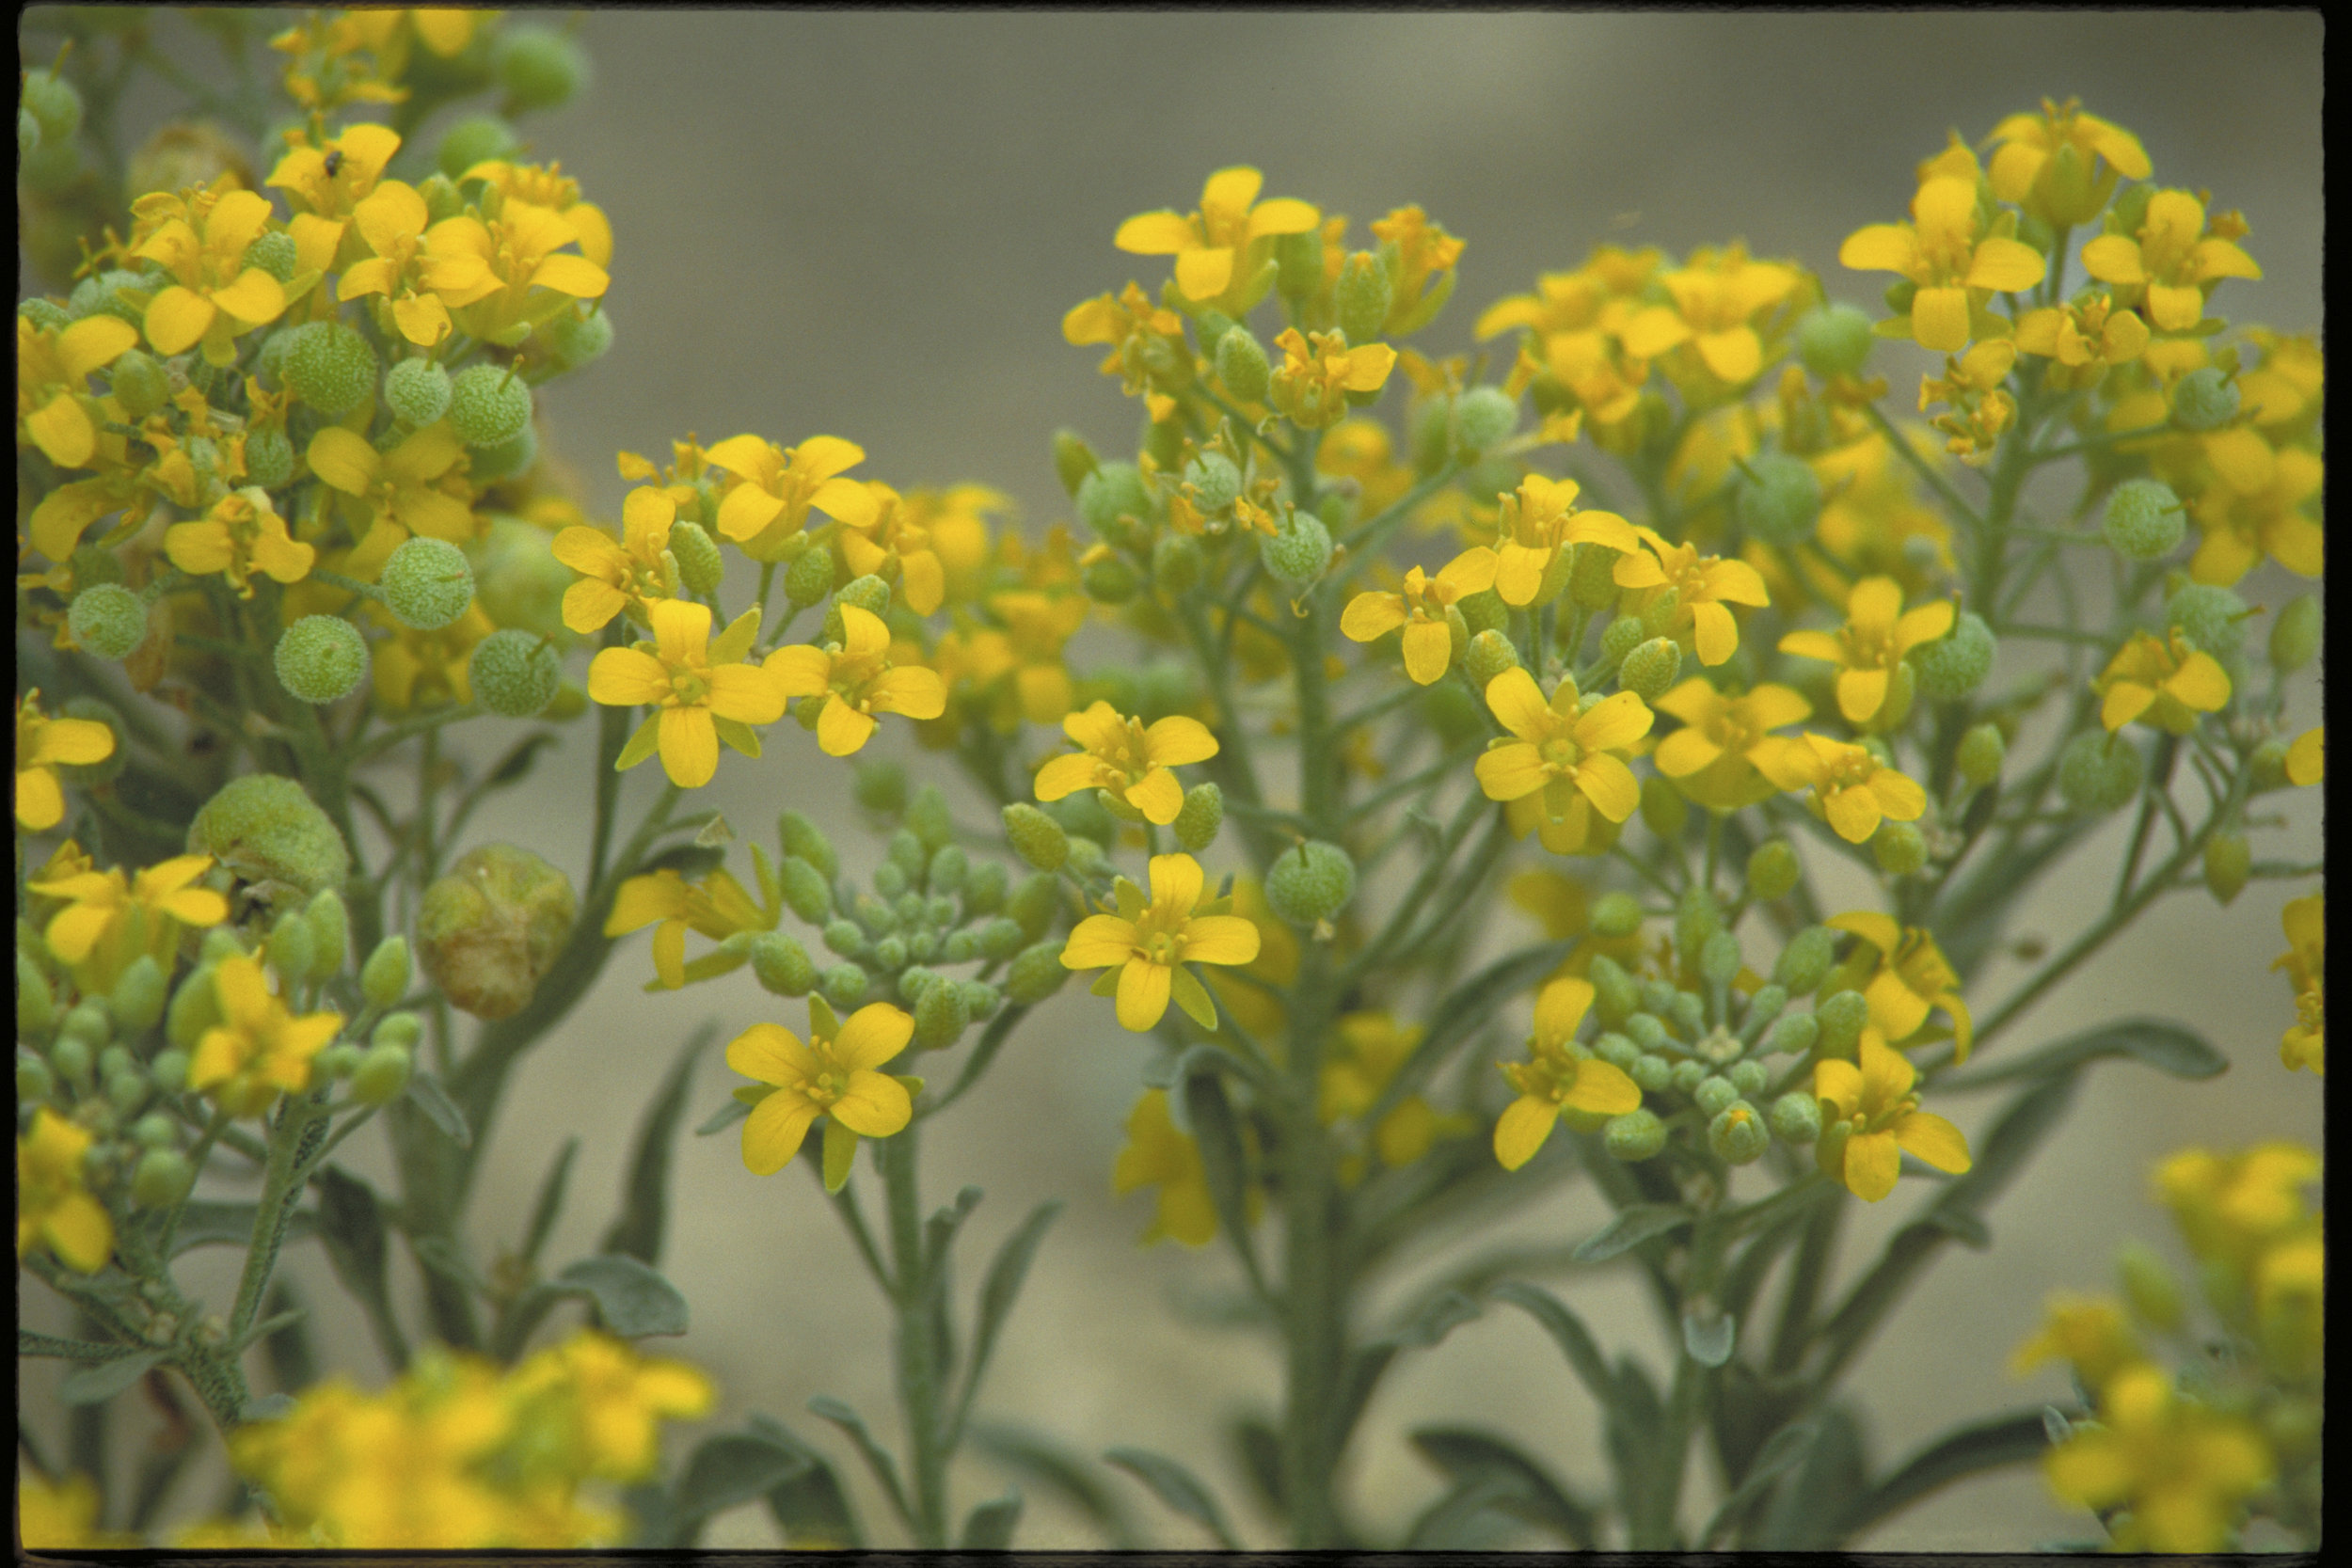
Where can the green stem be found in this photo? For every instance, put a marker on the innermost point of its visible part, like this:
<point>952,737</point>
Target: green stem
<point>921,1379</point>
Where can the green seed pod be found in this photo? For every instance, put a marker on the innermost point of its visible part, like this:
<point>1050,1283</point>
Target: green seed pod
<point>504,459</point>
<point>890,954</point>
<point>1484,419</point>
<point>126,1091</point>
<point>1652,1073</point>
<point>382,1075</point>
<point>1311,883</point>
<point>1112,580</point>
<point>1032,907</point>
<point>1900,848</point>
<point>1982,752</point>
<point>417,392</point>
<point>1489,655</point>
<point>1592,582</point>
<point>219,945</point>
<point>1614,997</point>
<point>1074,460</point>
<point>1214,481</point>
<point>1616,1050</point>
<point>108,620</point>
<point>1658,996</point>
<point>1362,295</point>
<point>2212,617</point>
<point>2267,765</point>
<point>1634,1136</point>
<point>2295,634</point>
<point>944,876</point>
<point>1712,1093</point>
<point>1772,870</point>
<point>290,950</point>
<point>195,1007</point>
<point>1663,808</point>
<point>1651,669</point>
<point>114,1060</point>
<point>1779,499</point>
<point>139,383</point>
<point>336,1061</point>
<point>808,579</point>
<point>1113,492</point>
<point>804,840</point>
<point>54,104</point>
<point>514,673</point>
<point>1202,816</point>
<point>169,1069</point>
<point>1797,1117</point>
<point>980,999</point>
<point>268,457</point>
<point>1299,553</point>
<point>845,938</point>
<point>1834,339</point>
<point>1176,564</point>
<point>1481,611</point>
<point>874,914</point>
<point>1241,364</point>
<point>489,930</point>
<point>699,567</point>
<point>162,1177</point>
<point>1035,837</point>
<point>70,1055</point>
<point>1687,1075</point>
<point>103,295</point>
<point>1738,1135</point>
<point>1749,1077</point>
<point>2205,399</point>
<point>914,982</point>
<point>400,1029</point>
<point>426,583</point>
<point>1646,1030</point>
<point>578,339</point>
<point>384,978</point>
<point>844,985</point>
<point>1840,1019</point>
<point>539,68</point>
<point>488,405</point>
<point>960,947</point>
<point>321,658</point>
<point>1688,1014</point>
<point>36,1003</point>
<point>2144,520</point>
<point>268,832</point>
<point>331,933</point>
<point>805,890</point>
<point>476,139</point>
<point>1719,958</point>
<point>984,889</point>
<point>1763,1006</point>
<point>330,368</point>
<point>2229,862</point>
<point>941,1016</point>
<point>1619,639</point>
<point>1954,665</point>
<point>1658,616</point>
<point>1035,974</point>
<point>2154,1296</point>
<point>46,314</point>
<point>155,1129</point>
<point>2100,772</point>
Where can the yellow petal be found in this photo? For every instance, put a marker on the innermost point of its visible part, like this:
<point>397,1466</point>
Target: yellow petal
<point>1099,939</point>
<point>1524,1125</point>
<point>842,730</point>
<point>1160,233</point>
<point>870,1037</point>
<point>1608,784</point>
<point>1221,939</point>
<point>874,1105</point>
<point>624,677</point>
<point>690,745</point>
<point>1176,740</point>
<point>1934,1140</point>
<point>1143,990</point>
<point>1368,615</point>
<point>1428,650</point>
<point>774,1132</point>
<point>1202,273</point>
<point>1513,772</point>
<point>1872,1164</point>
<point>1158,796</point>
<point>1939,319</point>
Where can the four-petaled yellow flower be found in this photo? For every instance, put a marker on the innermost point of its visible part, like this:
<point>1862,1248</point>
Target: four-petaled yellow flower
<point>2175,261</point>
<point>1132,762</point>
<point>1423,277</point>
<point>2260,504</point>
<point>1711,758</point>
<point>1908,975</point>
<point>1157,1154</point>
<point>1944,252</point>
<point>1146,340</point>
<point>393,221</point>
<point>2181,1469</point>
<point>2305,961</point>
<point>2047,162</point>
<point>1702,587</point>
<point>1717,297</point>
<point>326,186</point>
<point>615,576</point>
<point>1877,636</point>
<point>53,371</point>
<point>703,689</point>
<point>411,489</point>
<point>833,1076</point>
<point>719,909</point>
<point>2230,1208</point>
<point>54,1205</point>
<point>2165,684</point>
<point>2090,1333</point>
<point>1219,248</point>
<point>259,1050</point>
<point>43,744</point>
<point>488,270</point>
<point>1559,1076</point>
<point>1533,530</point>
<point>1851,789</point>
<point>1981,407</point>
<point>1145,946</point>
<point>113,919</point>
<point>213,295</point>
<point>1567,754</point>
<point>895,545</point>
<point>242,534</point>
<point>2085,339</point>
<point>856,679</point>
<point>1364,1052</point>
<point>1421,609</point>
<point>1869,1118</point>
<point>612,1398</point>
<point>1311,384</point>
<point>777,485</point>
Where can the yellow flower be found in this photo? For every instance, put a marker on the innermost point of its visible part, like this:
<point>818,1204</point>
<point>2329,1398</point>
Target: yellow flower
<point>327,187</point>
<point>1703,586</point>
<point>1569,754</point>
<point>53,370</point>
<point>1311,384</point>
<point>1259,1008</point>
<point>1717,297</point>
<point>614,1399</point>
<point>548,187</point>
<point>854,680</point>
<point>2089,1332</point>
<point>832,1076</point>
<point>41,745</point>
<point>63,1516</point>
<point>1423,276</point>
<point>114,920</point>
<point>1564,905</point>
<point>415,488</point>
<point>775,487</point>
<point>1421,609</point>
<point>1220,249</point>
<point>1558,1076</point>
<point>1364,1052</point>
<point>213,295</point>
<point>2181,1469</point>
<point>2259,504</point>
<point>1909,976</point>
<point>1145,946</point>
<point>486,270</point>
<point>2167,683</point>
<point>2230,1208</point>
<point>54,1206</point>
<point>612,576</point>
<point>2085,339</point>
<point>1535,528</point>
<point>1877,636</point>
<point>1851,789</point>
<point>1158,1155</point>
<point>2047,162</point>
<point>259,1050</point>
<point>1981,409</point>
<point>2306,963</point>
<point>898,545</point>
<point>1947,253</point>
<point>242,534</point>
<point>1129,762</point>
<point>1711,757</point>
<point>704,691</point>
<point>2173,262</point>
<point>1869,1118</point>
<point>393,221</point>
<point>719,909</point>
<point>411,667</point>
<point>1147,341</point>
<point>2307,759</point>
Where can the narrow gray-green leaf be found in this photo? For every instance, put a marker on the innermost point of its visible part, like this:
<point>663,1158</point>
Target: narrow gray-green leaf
<point>444,1257</point>
<point>1810,1509</point>
<point>1062,1471</point>
<point>724,1117</point>
<point>1784,1448</point>
<point>1223,1162</point>
<point>1568,1331</point>
<point>1526,1490</point>
<point>1006,1272</point>
<point>351,1223</point>
<point>637,1231</point>
<point>1176,1486</point>
<point>633,1300</point>
<point>439,1108</point>
<point>549,1206</point>
<point>2018,1437</point>
<point>208,1223</point>
<point>2154,1042</point>
<point>1634,1225</point>
<point>86,1351</point>
<point>885,1469</point>
<point>989,1528</point>
<point>97,1384</point>
<point>731,1469</point>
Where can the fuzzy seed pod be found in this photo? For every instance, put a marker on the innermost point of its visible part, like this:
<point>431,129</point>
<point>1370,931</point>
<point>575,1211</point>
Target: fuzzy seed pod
<point>490,929</point>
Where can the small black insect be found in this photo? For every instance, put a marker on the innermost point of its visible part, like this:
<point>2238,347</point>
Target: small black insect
<point>334,162</point>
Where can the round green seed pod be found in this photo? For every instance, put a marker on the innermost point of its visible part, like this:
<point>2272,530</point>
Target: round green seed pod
<point>1634,1136</point>
<point>154,1130</point>
<point>102,294</point>
<point>321,658</point>
<point>1982,752</point>
<point>1651,669</point>
<point>382,1075</point>
<point>70,1055</point>
<point>161,1179</point>
<point>1653,1073</point>
<point>1900,848</point>
<point>2144,520</point>
<point>844,938</point>
<point>1620,638</point>
<point>782,965</point>
<point>2210,617</point>
<point>504,459</point>
<point>1203,815</point>
<point>2294,636</point>
<point>384,978</point>
<point>427,583</point>
<point>267,832</point>
<point>1241,364</point>
<point>844,985</point>
<point>337,1062</point>
<point>489,930</point>
<point>331,367</point>
<point>1687,1075</point>
<point>488,405</point>
<point>1713,1093</point>
<point>1299,553</point>
<point>268,457</point>
<point>417,390</point>
<point>476,139</point>
<point>1113,499</point>
<point>1213,481</point>
<point>1311,882</point>
<point>1779,499</point>
<point>514,673</point>
<point>2100,772</point>
<point>1834,339</point>
<point>1003,936</point>
<point>1488,656</point>
<point>890,954</point>
<point>1772,870</point>
<point>1840,1019</point>
<point>1035,974</point>
<point>1956,664</point>
<point>1796,1117</point>
<point>1738,1135</point>
<point>1035,837</point>
<point>54,104</point>
<point>579,337</point>
<point>538,68</point>
<point>871,595</point>
<point>46,314</point>
<point>2205,399</point>
<point>138,380</point>
<point>108,620</point>
<point>1484,419</point>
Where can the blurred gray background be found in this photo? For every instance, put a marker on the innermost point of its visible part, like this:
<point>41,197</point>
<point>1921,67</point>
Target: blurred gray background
<point>870,225</point>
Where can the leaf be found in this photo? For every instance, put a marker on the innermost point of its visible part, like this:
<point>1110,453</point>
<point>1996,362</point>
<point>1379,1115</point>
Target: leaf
<point>1962,1225</point>
<point>633,1299</point>
<point>1046,1462</point>
<point>725,1117</point>
<point>731,1469</point>
<point>439,1108</point>
<point>206,1223</point>
<point>1006,1272</point>
<point>97,1384</point>
<point>1176,1486</point>
<point>1709,1337</point>
<point>351,1223</point>
<point>1568,1331</point>
<point>989,1528</point>
<point>545,1212</point>
<point>1526,1491</point>
<point>939,1235</point>
<point>1365,1367</point>
<point>1223,1162</point>
<point>885,1469</point>
<point>2019,1437</point>
<point>87,1351</point>
<point>2154,1042</point>
<point>1633,1431</point>
<point>1809,1511</point>
<point>444,1257</point>
<point>1635,1224</point>
<point>637,1230</point>
<point>1469,1518</point>
<point>1785,1449</point>
<point>516,766</point>
<point>1261,1451</point>
<point>812,1508</point>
